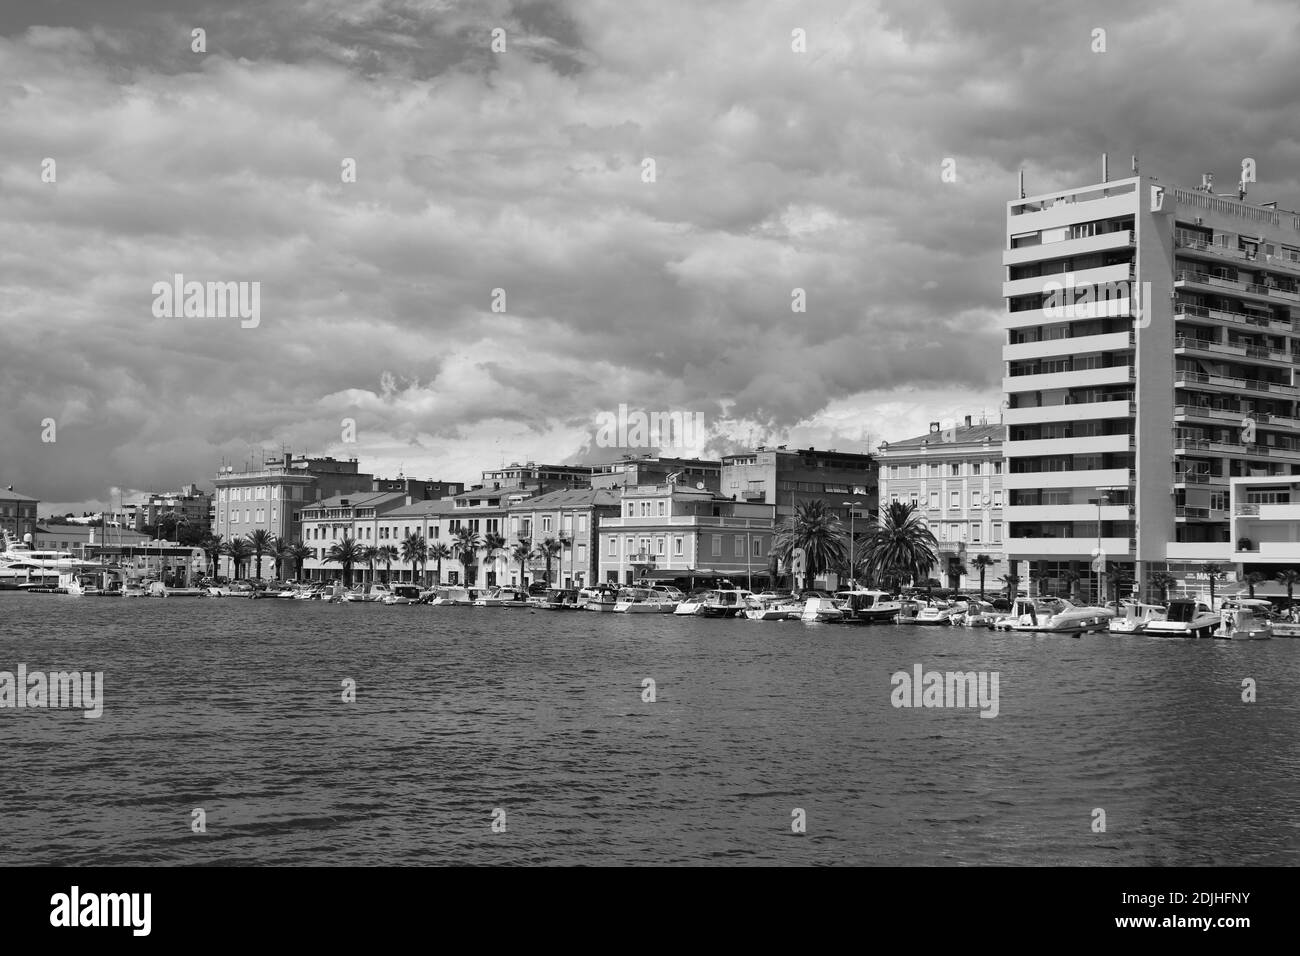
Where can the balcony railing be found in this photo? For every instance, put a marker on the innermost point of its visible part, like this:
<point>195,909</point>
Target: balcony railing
<point>1246,510</point>
<point>1231,381</point>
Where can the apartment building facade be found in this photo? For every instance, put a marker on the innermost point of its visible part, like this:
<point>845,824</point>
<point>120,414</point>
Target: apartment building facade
<point>656,469</point>
<point>17,513</point>
<point>784,479</point>
<point>188,505</point>
<point>953,476</point>
<point>669,532</point>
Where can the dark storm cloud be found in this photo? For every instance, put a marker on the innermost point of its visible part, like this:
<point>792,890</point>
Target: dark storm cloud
<point>522,171</point>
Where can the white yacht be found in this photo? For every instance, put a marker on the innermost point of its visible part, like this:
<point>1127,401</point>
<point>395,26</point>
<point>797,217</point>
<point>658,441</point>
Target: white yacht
<point>20,565</point>
<point>862,606</point>
<point>692,604</point>
<point>644,601</point>
<point>451,595</point>
<point>821,609</point>
<point>1054,615</point>
<point>1135,618</point>
<point>1186,618</point>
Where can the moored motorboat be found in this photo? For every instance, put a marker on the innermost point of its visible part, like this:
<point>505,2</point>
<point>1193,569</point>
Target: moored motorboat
<point>863,606</point>
<point>600,598</point>
<point>450,595</point>
<point>1134,618</point>
<point>635,600</point>
<point>403,594</point>
<point>1185,618</point>
<point>821,609</point>
<point>725,602</point>
<point>933,614</point>
<point>1054,615</point>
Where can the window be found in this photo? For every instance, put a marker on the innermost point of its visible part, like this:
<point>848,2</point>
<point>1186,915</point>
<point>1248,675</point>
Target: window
<point>934,470</point>
<point>913,499</point>
<point>613,547</point>
<point>717,545</point>
<point>740,546</point>
<point>631,510</point>
<point>659,545</point>
<point>546,524</point>
<point>582,554</point>
<point>629,544</point>
<point>975,534</point>
<point>955,469</point>
<point>662,506</point>
<point>582,524</point>
<point>954,500</point>
<point>678,546</point>
<point>997,468</point>
<point>997,533</point>
<point>934,500</point>
<point>997,498</point>
<point>643,546</point>
<point>952,532</point>
<point>975,468</point>
<point>757,550</point>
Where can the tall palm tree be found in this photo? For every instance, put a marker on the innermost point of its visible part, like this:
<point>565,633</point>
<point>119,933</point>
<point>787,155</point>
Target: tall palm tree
<point>387,553</point>
<point>523,553</point>
<point>262,542</point>
<point>1254,578</point>
<point>369,554</point>
<point>982,563</point>
<point>820,534</point>
<point>1070,578</point>
<point>1117,578</point>
<point>549,549</point>
<point>439,552</point>
<point>466,547</point>
<point>346,553</point>
<point>902,542</point>
<point>1162,581</point>
<point>299,552</point>
<point>238,550</point>
<point>1215,573</point>
<point>282,554</point>
<point>415,552</point>
<point>1288,579</point>
<point>956,571</point>
<point>1012,582</point>
<point>213,545</point>
<point>492,543</point>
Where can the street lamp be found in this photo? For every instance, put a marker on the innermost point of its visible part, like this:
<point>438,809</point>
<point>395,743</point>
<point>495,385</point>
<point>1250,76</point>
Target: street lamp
<point>853,571</point>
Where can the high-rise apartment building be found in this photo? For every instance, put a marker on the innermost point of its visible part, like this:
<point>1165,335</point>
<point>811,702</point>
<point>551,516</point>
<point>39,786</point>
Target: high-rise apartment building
<point>1149,360</point>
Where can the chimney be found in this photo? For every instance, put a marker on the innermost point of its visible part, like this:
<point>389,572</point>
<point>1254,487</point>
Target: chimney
<point>968,421</point>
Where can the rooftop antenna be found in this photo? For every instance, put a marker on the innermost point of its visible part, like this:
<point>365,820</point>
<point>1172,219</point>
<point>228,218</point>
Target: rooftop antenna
<point>1135,164</point>
<point>1022,184</point>
<point>1105,168</point>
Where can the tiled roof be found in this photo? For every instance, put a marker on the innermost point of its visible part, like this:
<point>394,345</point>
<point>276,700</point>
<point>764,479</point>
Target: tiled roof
<point>961,434</point>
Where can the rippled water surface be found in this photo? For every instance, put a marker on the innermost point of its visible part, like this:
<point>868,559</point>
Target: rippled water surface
<point>234,706</point>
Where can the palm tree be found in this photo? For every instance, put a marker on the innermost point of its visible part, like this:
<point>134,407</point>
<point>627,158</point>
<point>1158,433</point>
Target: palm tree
<point>262,542</point>
<point>1254,578</point>
<point>818,532</point>
<point>523,553</point>
<point>956,571</point>
<point>283,553</point>
<point>1162,581</point>
<point>982,563</point>
<point>1012,582</point>
<point>1215,573</point>
<point>1070,578</point>
<point>1117,578</point>
<point>1288,579</point>
<point>387,553</point>
<point>549,550</point>
<point>415,552</point>
<point>213,545</point>
<point>346,553</point>
<point>299,552</point>
<point>369,554</point>
<point>238,550</point>
<point>902,543</point>
<point>492,543</point>
<point>467,546</point>
<point>438,552</point>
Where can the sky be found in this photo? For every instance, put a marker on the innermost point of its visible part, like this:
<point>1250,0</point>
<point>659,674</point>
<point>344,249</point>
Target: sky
<point>524,170</point>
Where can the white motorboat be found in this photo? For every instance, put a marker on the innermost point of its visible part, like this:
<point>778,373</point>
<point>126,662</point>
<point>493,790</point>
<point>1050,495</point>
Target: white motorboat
<point>1246,619</point>
<point>1054,615</point>
<point>821,609</point>
<point>503,597</point>
<point>692,604</point>
<point>23,568</point>
<point>773,607</point>
<point>934,614</point>
<point>1185,618</point>
<point>1135,617</point>
<point>725,602</point>
<point>643,601</point>
<point>403,594</point>
<point>862,606</point>
<point>451,595</point>
<point>601,597</point>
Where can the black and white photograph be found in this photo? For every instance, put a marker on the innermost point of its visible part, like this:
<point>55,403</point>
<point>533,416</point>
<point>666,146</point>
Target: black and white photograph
<point>643,434</point>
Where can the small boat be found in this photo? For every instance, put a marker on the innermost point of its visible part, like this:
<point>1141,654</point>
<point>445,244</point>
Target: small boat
<point>1185,618</point>
<point>693,603</point>
<point>1054,616</point>
<point>451,595</point>
<point>600,598</point>
<point>403,594</point>
<point>1134,618</point>
<point>773,607</point>
<point>934,614</point>
<point>503,597</point>
<point>728,602</point>
<point>821,609</point>
<point>643,601</point>
<point>1246,619</point>
<point>557,599</point>
<point>861,606</point>
<point>981,614</point>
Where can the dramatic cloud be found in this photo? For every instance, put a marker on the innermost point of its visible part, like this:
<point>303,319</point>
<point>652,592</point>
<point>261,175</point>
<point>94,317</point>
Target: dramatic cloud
<point>523,171</point>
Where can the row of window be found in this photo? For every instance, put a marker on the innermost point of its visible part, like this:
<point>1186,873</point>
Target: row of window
<point>251,515</point>
<point>954,500</point>
<point>952,469</point>
<point>642,546</point>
